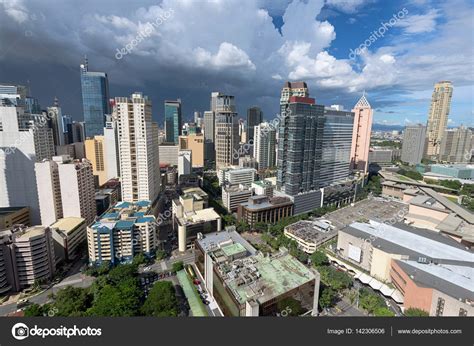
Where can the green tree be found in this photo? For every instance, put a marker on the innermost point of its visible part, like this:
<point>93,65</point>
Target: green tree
<point>160,254</point>
<point>177,266</point>
<point>383,312</point>
<point>370,301</point>
<point>411,174</point>
<point>72,301</point>
<point>121,300</point>
<point>161,300</point>
<point>319,259</point>
<point>33,310</point>
<point>415,312</point>
<point>334,278</point>
<point>327,297</point>
<point>139,259</point>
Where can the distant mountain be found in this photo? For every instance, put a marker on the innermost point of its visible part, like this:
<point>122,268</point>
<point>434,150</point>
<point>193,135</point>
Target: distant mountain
<point>384,127</point>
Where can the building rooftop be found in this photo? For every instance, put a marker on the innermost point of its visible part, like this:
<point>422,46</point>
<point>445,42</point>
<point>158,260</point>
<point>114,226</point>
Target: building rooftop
<point>263,278</point>
<point>198,216</point>
<point>29,233</point>
<point>315,231</point>
<point>412,242</point>
<point>460,211</point>
<point>454,280</point>
<point>68,224</point>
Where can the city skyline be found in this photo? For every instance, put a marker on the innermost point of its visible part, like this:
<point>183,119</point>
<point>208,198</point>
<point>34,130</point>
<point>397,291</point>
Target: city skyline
<point>236,66</point>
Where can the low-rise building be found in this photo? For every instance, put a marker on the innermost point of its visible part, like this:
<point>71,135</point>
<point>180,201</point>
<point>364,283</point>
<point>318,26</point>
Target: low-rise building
<point>125,230</point>
<point>245,282</point>
<point>10,216</point>
<point>429,259</point>
<point>263,188</point>
<point>310,234</point>
<point>68,234</point>
<point>191,216</point>
<point>236,176</point>
<point>264,209</point>
<point>232,196</point>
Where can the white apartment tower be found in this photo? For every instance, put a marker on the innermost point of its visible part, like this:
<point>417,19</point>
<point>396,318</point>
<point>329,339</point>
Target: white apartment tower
<point>184,162</point>
<point>65,189</point>
<point>24,139</point>
<point>138,148</point>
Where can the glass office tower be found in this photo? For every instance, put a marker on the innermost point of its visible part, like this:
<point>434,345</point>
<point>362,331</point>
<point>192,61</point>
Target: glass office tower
<point>95,100</point>
<point>173,121</point>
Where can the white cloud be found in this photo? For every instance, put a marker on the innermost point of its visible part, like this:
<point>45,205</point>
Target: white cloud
<point>227,56</point>
<point>416,24</point>
<point>348,6</point>
<point>15,9</point>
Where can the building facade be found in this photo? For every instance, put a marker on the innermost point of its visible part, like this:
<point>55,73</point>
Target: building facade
<point>173,120</point>
<point>227,138</point>
<point>413,145</point>
<point>95,100</point>
<point>264,145</point>
<point>254,118</point>
<point>438,117</point>
<point>456,145</point>
<point>194,143</point>
<point>138,148</point>
<point>362,129</point>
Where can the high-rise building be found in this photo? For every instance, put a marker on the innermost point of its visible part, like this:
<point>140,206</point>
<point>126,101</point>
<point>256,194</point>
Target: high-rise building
<point>67,126</point>
<point>362,129</point>
<point>299,145</point>
<point>95,153</point>
<point>221,102</point>
<point>227,139</point>
<point>264,145</point>
<point>65,189</point>
<point>112,160</point>
<point>195,143</point>
<point>438,117</point>
<point>78,133</point>
<point>26,257</point>
<point>173,120</point>
<point>185,158</point>
<point>24,139</point>
<point>254,118</point>
<point>55,118</point>
<point>139,162</point>
<point>209,126</point>
<point>95,100</point>
<point>290,89</point>
<point>413,145</point>
<point>456,145</point>
<point>336,146</point>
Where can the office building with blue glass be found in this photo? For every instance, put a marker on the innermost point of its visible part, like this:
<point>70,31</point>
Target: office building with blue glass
<point>95,100</point>
<point>173,120</point>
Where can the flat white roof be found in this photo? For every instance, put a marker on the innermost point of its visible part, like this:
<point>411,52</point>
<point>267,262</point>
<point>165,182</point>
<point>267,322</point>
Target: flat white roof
<point>413,241</point>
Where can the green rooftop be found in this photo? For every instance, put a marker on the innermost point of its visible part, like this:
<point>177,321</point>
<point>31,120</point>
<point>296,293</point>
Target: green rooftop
<point>233,249</point>
<point>278,274</point>
<point>195,303</point>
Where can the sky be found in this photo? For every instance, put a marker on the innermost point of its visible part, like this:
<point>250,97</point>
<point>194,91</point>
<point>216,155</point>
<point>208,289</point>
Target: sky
<point>393,50</point>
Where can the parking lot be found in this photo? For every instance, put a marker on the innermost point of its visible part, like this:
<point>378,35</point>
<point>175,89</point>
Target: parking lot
<point>375,208</point>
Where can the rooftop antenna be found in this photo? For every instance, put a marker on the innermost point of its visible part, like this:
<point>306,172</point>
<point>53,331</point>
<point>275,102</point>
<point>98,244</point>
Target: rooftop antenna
<point>56,102</point>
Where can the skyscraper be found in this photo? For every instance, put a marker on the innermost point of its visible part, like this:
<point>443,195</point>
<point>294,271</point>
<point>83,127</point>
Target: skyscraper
<point>438,117</point>
<point>173,120</point>
<point>95,153</point>
<point>299,144</point>
<point>55,117</point>
<point>456,145</point>
<point>264,145</point>
<point>254,117</point>
<point>227,139</point>
<point>336,146</point>
<point>413,145</point>
<point>185,158</point>
<point>290,89</point>
<point>138,137</point>
<point>95,100</point>
<point>363,114</point>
